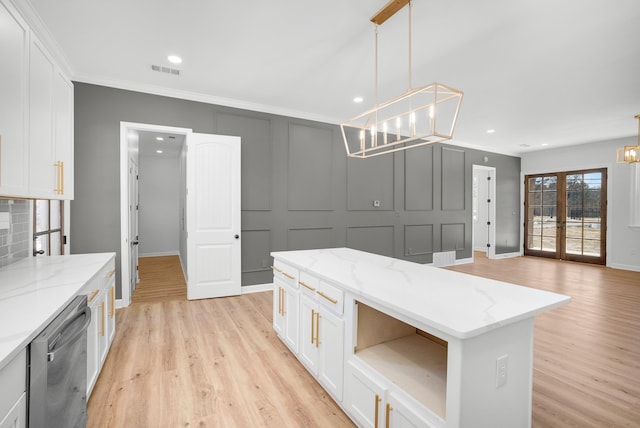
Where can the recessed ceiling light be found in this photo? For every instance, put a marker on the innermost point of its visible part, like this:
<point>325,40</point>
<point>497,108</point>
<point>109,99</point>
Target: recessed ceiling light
<point>490,131</point>
<point>525,145</point>
<point>159,138</point>
<point>358,99</point>
<point>545,144</point>
<point>174,59</point>
<point>159,151</point>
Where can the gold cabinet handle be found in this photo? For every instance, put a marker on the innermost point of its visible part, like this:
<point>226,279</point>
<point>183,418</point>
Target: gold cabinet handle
<point>112,307</point>
<point>110,274</point>
<point>375,418</point>
<point>287,275</point>
<point>387,417</point>
<point>283,301</point>
<point>92,296</point>
<point>317,329</point>
<point>61,178</point>
<point>101,318</point>
<point>334,301</point>
<point>280,300</point>
<point>313,316</point>
<point>58,188</point>
<point>276,269</point>
<point>307,286</point>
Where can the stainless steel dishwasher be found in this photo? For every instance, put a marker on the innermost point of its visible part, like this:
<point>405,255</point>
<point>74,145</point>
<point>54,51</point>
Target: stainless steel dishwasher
<point>58,370</point>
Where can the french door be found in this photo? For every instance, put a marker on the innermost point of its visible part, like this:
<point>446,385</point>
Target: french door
<point>566,215</point>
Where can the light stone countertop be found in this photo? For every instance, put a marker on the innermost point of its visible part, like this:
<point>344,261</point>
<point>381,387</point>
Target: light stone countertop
<point>457,304</point>
<point>35,290</point>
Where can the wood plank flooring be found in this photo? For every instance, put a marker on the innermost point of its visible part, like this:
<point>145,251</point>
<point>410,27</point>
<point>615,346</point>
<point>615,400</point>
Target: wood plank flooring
<point>218,363</point>
<point>161,279</point>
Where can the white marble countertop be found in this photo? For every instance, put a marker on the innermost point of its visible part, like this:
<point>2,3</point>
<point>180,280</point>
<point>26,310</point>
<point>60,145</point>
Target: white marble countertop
<point>457,304</point>
<point>35,290</point>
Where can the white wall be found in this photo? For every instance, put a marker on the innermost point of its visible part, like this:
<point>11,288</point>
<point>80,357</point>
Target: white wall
<point>159,221</point>
<point>623,243</point>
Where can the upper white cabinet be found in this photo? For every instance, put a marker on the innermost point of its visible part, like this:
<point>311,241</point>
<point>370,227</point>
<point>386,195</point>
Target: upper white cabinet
<point>36,116</point>
<point>14,73</point>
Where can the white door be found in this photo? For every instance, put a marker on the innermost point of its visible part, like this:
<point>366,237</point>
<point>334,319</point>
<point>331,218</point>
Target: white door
<point>133,224</point>
<point>213,216</point>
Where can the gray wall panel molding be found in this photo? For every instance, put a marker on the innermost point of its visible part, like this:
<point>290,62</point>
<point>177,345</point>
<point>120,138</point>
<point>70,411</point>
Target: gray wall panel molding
<point>374,239</point>
<point>370,180</point>
<point>257,168</point>
<point>453,237</point>
<point>419,179</point>
<point>256,248</point>
<point>310,167</point>
<point>418,239</point>
<point>454,177</point>
<point>307,238</point>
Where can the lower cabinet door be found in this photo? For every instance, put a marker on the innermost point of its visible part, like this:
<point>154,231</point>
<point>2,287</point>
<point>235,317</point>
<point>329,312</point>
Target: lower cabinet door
<point>308,346</point>
<point>278,304</point>
<point>363,398</point>
<point>330,334</point>
<point>17,416</point>
<point>291,320</point>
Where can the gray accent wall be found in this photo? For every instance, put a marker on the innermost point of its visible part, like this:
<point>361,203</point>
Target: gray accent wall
<point>299,189</point>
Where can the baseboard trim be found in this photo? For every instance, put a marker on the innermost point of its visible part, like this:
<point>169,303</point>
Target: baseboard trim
<point>506,255</point>
<point>161,254</point>
<point>257,288</point>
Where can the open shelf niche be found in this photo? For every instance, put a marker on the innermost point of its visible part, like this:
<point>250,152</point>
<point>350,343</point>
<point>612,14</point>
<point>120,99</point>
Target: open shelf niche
<point>413,359</point>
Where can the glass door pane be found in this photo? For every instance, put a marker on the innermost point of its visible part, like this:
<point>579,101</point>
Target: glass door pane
<point>584,215</point>
<point>542,209</point>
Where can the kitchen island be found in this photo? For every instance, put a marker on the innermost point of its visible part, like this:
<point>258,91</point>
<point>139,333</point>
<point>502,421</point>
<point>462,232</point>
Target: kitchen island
<point>402,344</point>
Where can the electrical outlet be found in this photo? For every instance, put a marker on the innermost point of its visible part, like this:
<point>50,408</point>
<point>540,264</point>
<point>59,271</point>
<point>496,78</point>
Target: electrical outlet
<point>376,203</point>
<point>502,368</point>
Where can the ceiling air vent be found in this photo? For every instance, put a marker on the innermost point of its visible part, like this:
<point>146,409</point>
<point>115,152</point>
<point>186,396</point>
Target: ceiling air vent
<point>167,70</point>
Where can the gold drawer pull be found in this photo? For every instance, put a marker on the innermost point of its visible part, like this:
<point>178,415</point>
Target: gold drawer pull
<point>375,424</point>
<point>110,274</point>
<point>93,295</point>
<point>287,275</point>
<point>334,301</point>
<point>307,286</point>
<point>389,409</point>
<point>276,269</point>
<point>112,306</point>
<point>101,318</point>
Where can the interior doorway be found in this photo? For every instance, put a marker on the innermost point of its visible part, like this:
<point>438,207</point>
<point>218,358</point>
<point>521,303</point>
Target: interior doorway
<point>130,140</point>
<point>566,215</point>
<point>484,209</point>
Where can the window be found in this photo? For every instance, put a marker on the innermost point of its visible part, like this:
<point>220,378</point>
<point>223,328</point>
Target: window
<point>48,228</point>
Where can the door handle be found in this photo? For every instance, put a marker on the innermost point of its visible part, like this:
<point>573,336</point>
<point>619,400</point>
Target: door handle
<point>135,243</point>
<point>237,236</point>
<point>35,253</point>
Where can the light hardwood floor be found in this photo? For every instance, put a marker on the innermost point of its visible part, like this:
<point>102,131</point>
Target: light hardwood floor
<point>218,363</point>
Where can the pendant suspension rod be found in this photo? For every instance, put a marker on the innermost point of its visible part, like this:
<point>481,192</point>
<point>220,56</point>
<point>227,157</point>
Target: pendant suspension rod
<point>410,77</point>
<point>376,77</point>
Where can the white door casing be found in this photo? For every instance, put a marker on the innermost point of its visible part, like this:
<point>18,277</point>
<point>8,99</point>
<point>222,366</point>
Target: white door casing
<point>133,224</point>
<point>213,216</point>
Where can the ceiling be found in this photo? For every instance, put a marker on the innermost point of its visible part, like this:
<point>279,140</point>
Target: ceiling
<point>541,73</point>
<point>159,144</point>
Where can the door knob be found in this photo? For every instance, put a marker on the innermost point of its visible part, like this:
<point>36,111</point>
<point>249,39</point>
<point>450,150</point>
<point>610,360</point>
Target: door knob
<point>37,252</point>
<point>135,243</point>
<point>237,236</point>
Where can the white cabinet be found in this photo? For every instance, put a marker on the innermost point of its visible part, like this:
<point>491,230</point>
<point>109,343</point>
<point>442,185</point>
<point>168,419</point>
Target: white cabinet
<point>285,318</point>
<point>101,300</point>
<point>13,404</point>
<point>14,151</point>
<point>50,127</point>
<point>322,344</point>
<point>36,115</point>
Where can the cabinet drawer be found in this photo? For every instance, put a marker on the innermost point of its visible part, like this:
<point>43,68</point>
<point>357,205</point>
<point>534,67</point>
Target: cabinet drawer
<point>331,297</point>
<point>286,273</point>
<point>309,284</point>
<point>13,378</point>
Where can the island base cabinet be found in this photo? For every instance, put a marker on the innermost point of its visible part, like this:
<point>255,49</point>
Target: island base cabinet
<point>371,405</point>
